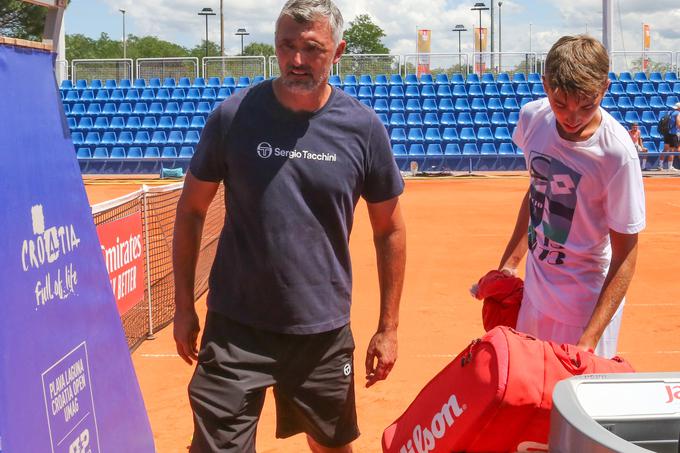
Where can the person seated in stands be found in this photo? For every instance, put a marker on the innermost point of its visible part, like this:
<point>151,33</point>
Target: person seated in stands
<point>634,133</point>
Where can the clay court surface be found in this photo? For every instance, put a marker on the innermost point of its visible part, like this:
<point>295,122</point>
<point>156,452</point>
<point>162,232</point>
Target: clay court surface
<point>457,229</point>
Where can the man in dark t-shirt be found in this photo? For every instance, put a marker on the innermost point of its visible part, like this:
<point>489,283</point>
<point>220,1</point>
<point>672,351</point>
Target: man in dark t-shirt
<point>294,155</point>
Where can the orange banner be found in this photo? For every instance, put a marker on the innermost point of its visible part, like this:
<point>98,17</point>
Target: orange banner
<point>647,36</point>
<point>424,45</point>
<point>480,33</point>
<point>121,243</point>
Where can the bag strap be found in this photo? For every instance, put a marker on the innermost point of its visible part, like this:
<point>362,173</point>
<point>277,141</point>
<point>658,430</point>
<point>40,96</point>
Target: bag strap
<point>571,357</point>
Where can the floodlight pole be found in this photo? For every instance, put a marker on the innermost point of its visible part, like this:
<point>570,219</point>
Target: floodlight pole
<point>124,37</point>
<point>480,6</point>
<point>206,12</point>
<point>459,29</point>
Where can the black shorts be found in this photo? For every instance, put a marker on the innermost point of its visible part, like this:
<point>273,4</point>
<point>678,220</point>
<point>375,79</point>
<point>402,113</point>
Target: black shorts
<point>671,140</point>
<point>312,376</point>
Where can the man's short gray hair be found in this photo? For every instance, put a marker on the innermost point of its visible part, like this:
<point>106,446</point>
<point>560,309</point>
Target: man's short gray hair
<point>304,11</point>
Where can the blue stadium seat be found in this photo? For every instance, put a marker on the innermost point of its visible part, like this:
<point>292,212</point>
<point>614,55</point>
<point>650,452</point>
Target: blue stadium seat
<point>117,123</point>
<point>414,120</point>
<point>133,124</point>
<point>87,96</point>
<point>412,91</point>
<point>452,149</point>
<point>94,109</point>
<point>381,106</point>
<point>426,79</point>
<point>654,133</point>
<point>644,134</point>
<point>537,90</point>
<point>671,101</point>
<point>457,79</point>
<point>77,138</point>
<point>139,84</point>
<point>462,105</point>
<point>399,150</point>
<point>152,152</point>
<point>434,149</point>
<point>92,138</point>
<point>415,135</point>
<point>459,91</point>
<point>169,82</point>
<point>467,134</point>
<point>351,90</point>
<point>472,78</point>
<point>434,157</point>
<point>498,119</point>
<point>506,148</point>
<point>206,108</point>
<point>522,89</point>
<point>494,105</point>
<point>503,78</point>
<point>84,153</point>
<point>519,78</point>
<point>465,119</point>
<point>444,91</point>
<point>140,109</point>
<point>502,134</point>
<point>158,138</point>
<point>397,120</point>
<point>134,152</point>
<point>507,90</point>
<point>257,79</point>
<point>380,80</point>
<point>367,102</point>
<point>411,79</point>
<point>632,89</point>
<point>223,93</point>
<point>186,152</point>
<point>655,77</point>
<point>484,134</point>
<point>178,94</point>
<point>524,101</point>
<point>72,96</point>
<point>197,123</point>
<point>429,105</point>
<point>491,91</point>
<point>648,89</point>
<point>481,119</point>
<point>478,105</point>
<point>191,138</point>
<point>142,138</point>
<point>447,119</point>
<point>149,123</point>
<point>81,84</point>
<point>199,82</point>
<point>624,76</point>
<point>395,79</point>
<point>397,105</point>
<point>132,95</point>
<point>384,119</point>
<point>450,134</point>
<point>147,95</point>
<point>648,117</point>
<point>432,135</point>
<point>513,117</point>
<point>445,105</point>
<point>441,79</point>
<point>631,117</point>
<point>214,82</point>
<point>208,95</point>
<point>71,121</point>
<point>475,91</point>
<point>488,78</point>
<point>640,103</point>
<point>616,89</point>
<point>397,91</point>
<point>125,138</point>
<point>188,108</point>
<point>100,152</point>
<point>624,103</point>
<point>413,105</point>
<point>175,137</point>
<point>230,82</point>
<point>117,152</point>
<point>470,149</point>
<point>431,119</point>
<point>365,92</point>
<point>617,116</point>
<point>350,79</point>
<point>608,103</point>
<point>398,135</point>
<point>102,95</point>
<point>169,152</point>
<point>181,123</point>
<point>193,94</point>
<point>66,84</point>
<point>95,84</point>
<point>366,79</point>
<point>534,77</point>
<point>84,124</point>
<point>380,91</point>
<point>612,77</point>
<point>488,149</point>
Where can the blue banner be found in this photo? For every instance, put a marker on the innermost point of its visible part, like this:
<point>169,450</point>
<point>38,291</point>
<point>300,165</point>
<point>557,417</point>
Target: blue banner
<point>66,378</point>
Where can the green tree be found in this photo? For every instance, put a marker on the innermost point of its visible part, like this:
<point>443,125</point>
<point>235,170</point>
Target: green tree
<point>363,36</point>
<point>22,20</point>
<point>199,50</point>
<point>259,48</point>
<point>79,46</point>
<point>153,47</point>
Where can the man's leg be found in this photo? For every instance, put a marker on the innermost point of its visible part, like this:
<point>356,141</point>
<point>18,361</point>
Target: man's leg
<point>666,148</point>
<point>315,447</point>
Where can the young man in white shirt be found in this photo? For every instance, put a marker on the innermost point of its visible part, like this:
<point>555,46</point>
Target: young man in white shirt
<point>585,205</point>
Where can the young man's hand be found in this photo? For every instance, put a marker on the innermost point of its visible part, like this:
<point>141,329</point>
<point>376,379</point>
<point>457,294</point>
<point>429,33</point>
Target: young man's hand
<point>185,331</point>
<point>383,350</point>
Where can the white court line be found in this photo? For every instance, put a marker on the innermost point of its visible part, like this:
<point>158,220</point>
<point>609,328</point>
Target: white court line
<point>157,356</point>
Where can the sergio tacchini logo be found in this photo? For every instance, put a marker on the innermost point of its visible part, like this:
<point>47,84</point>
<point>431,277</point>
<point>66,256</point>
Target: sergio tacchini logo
<point>264,150</point>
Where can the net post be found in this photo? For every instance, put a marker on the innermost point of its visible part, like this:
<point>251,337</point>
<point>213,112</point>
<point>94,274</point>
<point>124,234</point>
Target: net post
<point>145,223</point>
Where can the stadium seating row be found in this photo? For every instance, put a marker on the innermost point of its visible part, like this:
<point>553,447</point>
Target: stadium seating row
<point>135,152</point>
<point>140,138</point>
<point>147,94</point>
<point>134,123</point>
<point>110,109</point>
<point>168,82</point>
<point>450,135</point>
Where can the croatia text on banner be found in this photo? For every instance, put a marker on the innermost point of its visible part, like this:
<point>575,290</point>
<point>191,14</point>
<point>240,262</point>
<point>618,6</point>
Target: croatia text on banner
<point>66,378</point>
<point>424,46</point>
<point>121,244</point>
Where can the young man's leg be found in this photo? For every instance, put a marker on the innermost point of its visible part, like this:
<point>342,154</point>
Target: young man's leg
<point>315,447</point>
<point>226,395</point>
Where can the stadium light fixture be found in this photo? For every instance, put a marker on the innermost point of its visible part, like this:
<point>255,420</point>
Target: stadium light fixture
<point>241,32</point>
<point>459,28</point>
<point>124,37</point>
<point>480,6</point>
<point>206,12</point>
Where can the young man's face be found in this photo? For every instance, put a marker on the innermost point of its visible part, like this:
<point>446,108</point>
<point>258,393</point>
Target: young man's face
<point>305,53</point>
<point>573,113</point>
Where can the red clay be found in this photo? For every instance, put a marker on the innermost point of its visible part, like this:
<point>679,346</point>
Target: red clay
<point>457,229</point>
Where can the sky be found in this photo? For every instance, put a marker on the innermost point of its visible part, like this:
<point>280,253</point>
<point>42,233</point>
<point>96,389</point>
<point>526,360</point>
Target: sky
<point>526,24</point>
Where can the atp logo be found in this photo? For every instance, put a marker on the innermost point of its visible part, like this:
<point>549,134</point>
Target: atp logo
<point>264,150</point>
<point>81,444</point>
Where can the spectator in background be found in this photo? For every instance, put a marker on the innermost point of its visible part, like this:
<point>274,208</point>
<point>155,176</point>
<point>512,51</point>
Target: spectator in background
<point>634,133</point>
<point>670,140</point>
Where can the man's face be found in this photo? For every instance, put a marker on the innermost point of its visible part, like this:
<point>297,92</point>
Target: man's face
<point>305,53</point>
<point>573,113</point>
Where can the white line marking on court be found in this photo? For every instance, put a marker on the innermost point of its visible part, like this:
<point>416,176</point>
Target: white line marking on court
<point>157,356</point>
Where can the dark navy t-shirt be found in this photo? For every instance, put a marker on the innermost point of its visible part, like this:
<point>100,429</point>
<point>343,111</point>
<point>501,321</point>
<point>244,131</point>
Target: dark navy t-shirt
<point>292,182</point>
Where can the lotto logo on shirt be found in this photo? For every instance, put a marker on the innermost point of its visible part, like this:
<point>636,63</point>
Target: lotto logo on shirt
<point>265,150</point>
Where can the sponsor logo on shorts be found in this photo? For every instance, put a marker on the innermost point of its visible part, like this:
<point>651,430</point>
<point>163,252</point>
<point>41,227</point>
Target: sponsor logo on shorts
<point>425,439</point>
<point>265,150</point>
<point>347,369</point>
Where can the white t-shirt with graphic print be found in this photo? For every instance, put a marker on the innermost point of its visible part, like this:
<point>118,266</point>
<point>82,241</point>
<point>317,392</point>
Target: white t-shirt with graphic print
<point>579,191</point>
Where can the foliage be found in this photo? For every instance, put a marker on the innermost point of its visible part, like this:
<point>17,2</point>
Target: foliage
<point>22,20</point>
<point>259,48</point>
<point>363,36</point>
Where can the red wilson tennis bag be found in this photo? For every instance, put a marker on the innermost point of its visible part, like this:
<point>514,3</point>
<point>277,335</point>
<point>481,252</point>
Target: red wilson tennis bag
<point>496,396</point>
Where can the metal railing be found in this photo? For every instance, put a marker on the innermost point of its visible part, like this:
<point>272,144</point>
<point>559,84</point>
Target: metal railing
<point>370,64</point>
<point>114,68</point>
<point>149,68</point>
<point>509,62</point>
<point>639,61</point>
<point>436,63</point>
<point>240,66</point>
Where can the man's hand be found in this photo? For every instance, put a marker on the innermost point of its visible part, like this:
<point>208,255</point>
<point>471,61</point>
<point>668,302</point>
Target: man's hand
<point>383,350</point>
<point>185,331</point>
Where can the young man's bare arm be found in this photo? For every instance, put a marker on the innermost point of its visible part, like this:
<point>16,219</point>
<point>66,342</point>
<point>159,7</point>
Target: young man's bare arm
<point>621,270</point>
<point>517,246</point>
<point>389,237</point>
<point>191,211</point>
